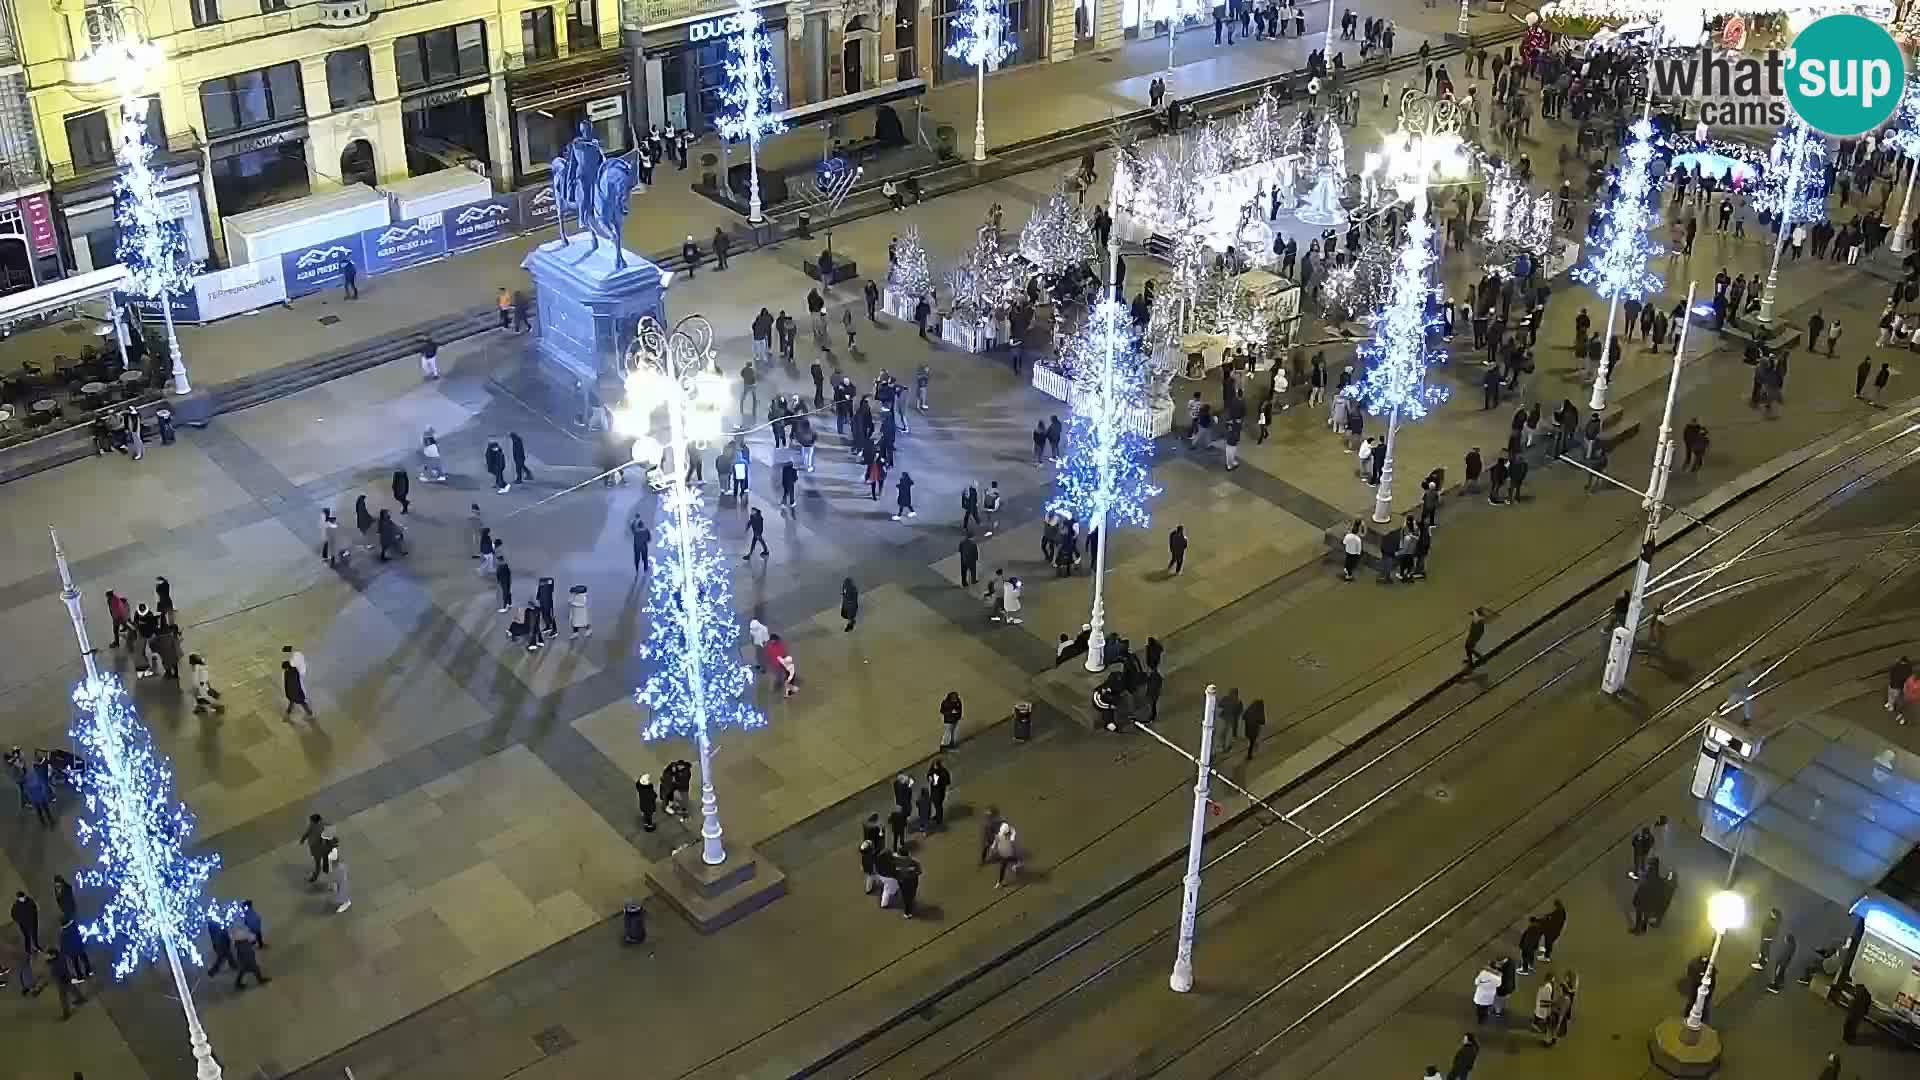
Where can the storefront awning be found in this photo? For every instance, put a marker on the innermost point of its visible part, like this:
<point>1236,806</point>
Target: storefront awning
<point>821,111</point>
<point>59,295</point>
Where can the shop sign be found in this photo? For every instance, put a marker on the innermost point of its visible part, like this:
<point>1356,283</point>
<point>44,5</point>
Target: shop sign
<point>475,224</point>
<point>404,243</point>
<point>186,306</point>
<point>656,12</point>
<point>242,288</point>
<point>420,102</point>
<point>606,108</point>
<point>319,266</point>
<point>251,143</point>
<point>712,29</point>
<point>538,208</point>
<point>38,213</point>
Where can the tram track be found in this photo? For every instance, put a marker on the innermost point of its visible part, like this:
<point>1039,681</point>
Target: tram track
<point>1248,853</point>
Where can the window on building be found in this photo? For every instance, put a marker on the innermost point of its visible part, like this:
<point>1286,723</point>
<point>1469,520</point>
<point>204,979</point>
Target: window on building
<point>156,123</point>
<point>267,7</point>
<point>349,77</point>
<point>443,55</point>
<point>536,34</point>
<point>205,12</point>
<point>583,25</point>
<point>87,139</point>
<point>253,98</point>
<point>905,34</point>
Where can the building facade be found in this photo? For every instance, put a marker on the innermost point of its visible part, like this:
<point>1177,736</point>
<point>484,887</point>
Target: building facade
<point>266,101</point>
<point>29,248</point>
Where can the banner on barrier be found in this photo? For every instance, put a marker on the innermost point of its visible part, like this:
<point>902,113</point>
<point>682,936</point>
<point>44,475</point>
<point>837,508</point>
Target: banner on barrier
<point>404,243</point>
<point>476,224</point>
<point>538,208</point>
<point>186,306</point>
<point>240,289</point>
<point>320,266</point>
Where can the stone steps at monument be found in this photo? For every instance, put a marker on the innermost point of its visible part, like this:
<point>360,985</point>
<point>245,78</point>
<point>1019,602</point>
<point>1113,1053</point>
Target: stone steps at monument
<point>298,375</point>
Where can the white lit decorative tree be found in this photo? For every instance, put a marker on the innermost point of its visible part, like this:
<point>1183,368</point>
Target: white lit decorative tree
<point>985,283</point>
<point>910,276</point>
<point>1102,479</point>
<point>1055,239</point>
<point>1323,206</point>
<point>980,39</point>
<point>1794,188</point>
<point>1618,269</point>
<point>150,244</point>
<point>156,901</point>
<point>1903,137</point>
<point>752,96</point>
<point>1519,222</point>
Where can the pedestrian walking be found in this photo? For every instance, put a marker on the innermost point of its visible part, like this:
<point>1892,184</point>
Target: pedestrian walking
<point>337,869</point>
<point>67,982</point>
<point>1464,1058</point>
<point>74,947</point>
<point>502,576</point>
<point>497,467</point>
<point>26,917</point>
<point>579,624</point>
<point>1530,943</point>
<point>222,943</point>
<point>1486,988</point>
<point>1227,718</point>
<point>315,837</point>
<point>969,561</point>
<point>250,918</point>
<point>649,800</point>
<point>1253,720</point>
<point>642,542</point>
<point>1006,852</point>
<point>349,279</point>
<point>1351,547</point>
<point>950,709</point>
<point>1176,550</point>
<point>401,486</point>
<point>939,780</point>
<point>756,535</point>
<point>1642,847</point>
<point>246,960</point>
<point>1830,1070</point>
<point>296,691</point>
<point>849,604</point>
<point>1769,930</point>
<point>1880,379</point>
<point>1782,963</point>
<point>1476,629</point>
<point>1552,924</point>
<point>520,473</point>
<point>1857,1008</point>
<point>1898,675</point>
<point>897,824</point>
<point>903,502</point>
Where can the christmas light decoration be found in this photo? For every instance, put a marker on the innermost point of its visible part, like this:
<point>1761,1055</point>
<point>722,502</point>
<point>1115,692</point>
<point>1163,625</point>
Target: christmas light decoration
<point>1795,182</point>
<point>910,276</point>
<point>1903,137</point>
<point>1519,222</point>
<point>156,894</point>
<point>139,833</point>
<point>986,282</point>
<point>1394,378</point>
<point>980,40</point>
<point>1323,206</point>
<point>1361,285</point>
<point>1618,270</point>
<point>150,245</point>
<point>752,96</point>
<point>696,684</point>
<point>1056,236</point>
<point>1795,189</point>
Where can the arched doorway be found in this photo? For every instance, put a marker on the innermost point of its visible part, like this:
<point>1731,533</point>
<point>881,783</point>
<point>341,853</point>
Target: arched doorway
<point>856,79</point>
<point>356,164</point>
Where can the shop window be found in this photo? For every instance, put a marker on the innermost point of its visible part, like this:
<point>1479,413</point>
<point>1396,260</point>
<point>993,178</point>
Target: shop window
<point>87,139</point>
<point>583,25</point>
<point>536,34</point>
<point>253,98</point>
<point>444,55</point>
<point>1021,32</point>
<point>205,12</point>
<point>349,77</point>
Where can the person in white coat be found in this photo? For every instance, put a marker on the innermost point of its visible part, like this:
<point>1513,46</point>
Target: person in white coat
<point>337,870</point>
<point>1006,851</point>
<point>577,611</point>
<point>1010,599</point>
<point>1486,987</point>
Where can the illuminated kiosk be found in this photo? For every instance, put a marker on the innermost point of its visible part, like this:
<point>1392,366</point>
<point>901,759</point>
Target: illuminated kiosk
<point>587,313</point>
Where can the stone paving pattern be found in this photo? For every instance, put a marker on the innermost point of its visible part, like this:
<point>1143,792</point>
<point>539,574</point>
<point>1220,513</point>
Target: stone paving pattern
<point>484,796</point>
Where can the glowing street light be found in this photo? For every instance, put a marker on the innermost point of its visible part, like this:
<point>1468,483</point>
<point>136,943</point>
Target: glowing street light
<point>1725,911</point>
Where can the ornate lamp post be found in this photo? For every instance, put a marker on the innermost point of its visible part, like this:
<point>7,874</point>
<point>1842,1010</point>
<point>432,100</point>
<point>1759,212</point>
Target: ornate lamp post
<point>980,39</point>
<point>751,98</point>
<point>1725,911</point>
<point>697,683</point>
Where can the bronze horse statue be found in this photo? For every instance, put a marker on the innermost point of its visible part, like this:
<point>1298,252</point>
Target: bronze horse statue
<point>596,189</point>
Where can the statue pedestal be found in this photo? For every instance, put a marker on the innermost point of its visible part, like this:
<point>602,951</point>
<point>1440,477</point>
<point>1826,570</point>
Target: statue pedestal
<point>588,310</point>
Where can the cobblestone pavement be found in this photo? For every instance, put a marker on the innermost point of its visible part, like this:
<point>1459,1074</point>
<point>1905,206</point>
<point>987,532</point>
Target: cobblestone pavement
<point>484,795</point>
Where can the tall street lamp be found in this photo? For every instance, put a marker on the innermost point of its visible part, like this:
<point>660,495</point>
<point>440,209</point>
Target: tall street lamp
<point>1801,153</point>
<point>1181,980</point>
<point>1426,149</point>
<point>1725,911</point>
<point>752,96</point>
<point>697,683</point>
<point>155,891</point>
<point>1905,138</point>
<point>150,246</point>
<point>980,39</point>
<point>1619,266</point>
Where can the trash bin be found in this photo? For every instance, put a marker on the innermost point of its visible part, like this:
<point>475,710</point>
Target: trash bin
<point>633,923</point>
<point>1022,721</point>
<point>803,225</point>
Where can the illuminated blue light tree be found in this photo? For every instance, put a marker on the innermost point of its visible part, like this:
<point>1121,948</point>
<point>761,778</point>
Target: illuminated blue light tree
<point>1903,135</point>
<point>1396,359</point>
<point>1618,270</point>
<point>1103,479</point>
<point>1795,188</point>
<point>696,683</point>
<point>150,244</point>
<point>752,97</point>
<point>156,894</point>
<point>980,39</point>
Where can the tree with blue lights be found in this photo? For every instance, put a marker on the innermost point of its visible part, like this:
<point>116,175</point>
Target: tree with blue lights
<point>1396,358</point>
<point>1618,269</point>
<point>1794,190</point>
<point>150,245</point>
<point>155,893</point>
<point>752,96</point>
<point>1104,477</point>
<point>980,40</point>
